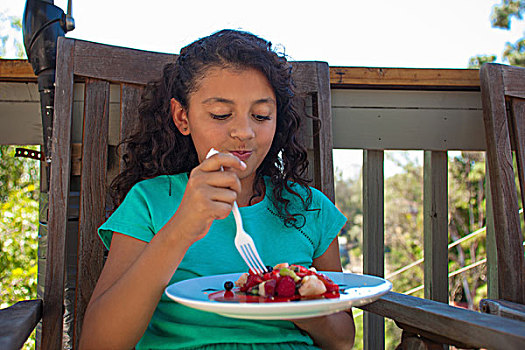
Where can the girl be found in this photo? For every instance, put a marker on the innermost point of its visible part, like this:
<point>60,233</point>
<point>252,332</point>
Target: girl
<point>231,92</point>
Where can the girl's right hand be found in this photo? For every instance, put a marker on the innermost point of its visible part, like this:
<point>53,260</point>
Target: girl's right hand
<point>209,195</point>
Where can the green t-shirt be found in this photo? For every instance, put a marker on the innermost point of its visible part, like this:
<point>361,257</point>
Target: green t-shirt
<point>151,203</point>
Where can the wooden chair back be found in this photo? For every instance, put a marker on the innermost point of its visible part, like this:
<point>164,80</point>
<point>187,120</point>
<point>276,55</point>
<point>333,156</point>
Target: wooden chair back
<point>86,129</point>
<point>503,98</point>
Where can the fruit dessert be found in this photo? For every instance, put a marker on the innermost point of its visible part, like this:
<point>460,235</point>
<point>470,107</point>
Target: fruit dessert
<point>283,282</point>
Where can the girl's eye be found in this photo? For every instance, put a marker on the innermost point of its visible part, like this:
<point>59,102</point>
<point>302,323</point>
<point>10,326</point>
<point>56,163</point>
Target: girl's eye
<point>261,117</point>
<point>220,116</point>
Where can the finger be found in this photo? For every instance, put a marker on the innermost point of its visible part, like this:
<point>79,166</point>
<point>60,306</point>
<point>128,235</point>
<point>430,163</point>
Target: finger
<point>223,195</point>
<point>221,179</point>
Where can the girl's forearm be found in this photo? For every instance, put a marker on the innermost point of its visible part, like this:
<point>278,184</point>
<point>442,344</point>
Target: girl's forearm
<point>119,316</point>
<point>336,331</point>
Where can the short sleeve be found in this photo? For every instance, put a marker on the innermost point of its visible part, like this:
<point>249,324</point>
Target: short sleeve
<point>330,222</point>
<point>132,218</point>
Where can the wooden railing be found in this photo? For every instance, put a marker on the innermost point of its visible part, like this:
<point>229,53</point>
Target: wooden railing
<point>431,110</point>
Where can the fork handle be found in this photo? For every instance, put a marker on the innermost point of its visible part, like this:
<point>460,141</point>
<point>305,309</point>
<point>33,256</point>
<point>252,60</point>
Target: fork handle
<point>237,216</point>
<point>236,212</point>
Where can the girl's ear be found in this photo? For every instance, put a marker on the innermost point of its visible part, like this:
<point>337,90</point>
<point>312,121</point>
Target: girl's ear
<point>179,116</point>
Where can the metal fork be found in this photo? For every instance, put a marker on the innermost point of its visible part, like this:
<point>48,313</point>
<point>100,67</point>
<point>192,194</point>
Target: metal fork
<point>243,242</point>
<point>245,246</point>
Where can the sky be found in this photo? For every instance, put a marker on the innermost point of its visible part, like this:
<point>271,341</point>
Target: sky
<point>374,33</point>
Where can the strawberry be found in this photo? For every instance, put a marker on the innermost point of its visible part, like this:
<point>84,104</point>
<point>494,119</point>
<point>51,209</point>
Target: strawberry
<point>252,281</point>
<point>285,287</point>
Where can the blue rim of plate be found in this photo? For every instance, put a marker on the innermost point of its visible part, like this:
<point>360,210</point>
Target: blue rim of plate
<point>356,290</point>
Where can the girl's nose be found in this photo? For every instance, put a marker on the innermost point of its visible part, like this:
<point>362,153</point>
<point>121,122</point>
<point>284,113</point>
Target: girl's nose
<point>242,128</point>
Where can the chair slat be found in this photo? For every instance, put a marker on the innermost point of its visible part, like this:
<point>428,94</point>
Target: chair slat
<point>323,142</point>
<point>118,64</point>
<point>518,131</point>
<point>435,208</point>
<point>130,99</point>
<point>92,195</point>
<point>58,199</point>
<point>492,254</point>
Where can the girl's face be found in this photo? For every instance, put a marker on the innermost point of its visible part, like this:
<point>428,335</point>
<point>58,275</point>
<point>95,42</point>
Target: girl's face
<point>233,111</point>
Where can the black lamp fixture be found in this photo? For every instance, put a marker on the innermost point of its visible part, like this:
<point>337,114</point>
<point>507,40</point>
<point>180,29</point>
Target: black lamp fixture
<point>42,24</point>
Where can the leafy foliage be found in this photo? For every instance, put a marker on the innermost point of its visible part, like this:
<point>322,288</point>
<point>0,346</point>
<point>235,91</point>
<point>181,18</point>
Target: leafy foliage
<point>501,17</point>
<point>404,229</point>
<point>19,193</point>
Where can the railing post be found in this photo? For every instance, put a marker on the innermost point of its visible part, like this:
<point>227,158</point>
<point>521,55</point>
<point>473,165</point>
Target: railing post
<point>435,207</point>
<point>373,239</point>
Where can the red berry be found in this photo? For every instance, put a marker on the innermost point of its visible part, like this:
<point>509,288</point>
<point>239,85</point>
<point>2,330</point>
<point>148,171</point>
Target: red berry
<point>267,276</point>
<point>286,287</point>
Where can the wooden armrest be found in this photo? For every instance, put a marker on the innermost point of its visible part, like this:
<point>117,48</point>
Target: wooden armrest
<point>503,308</point>
<point>17,322</point>
<point>449,324</point>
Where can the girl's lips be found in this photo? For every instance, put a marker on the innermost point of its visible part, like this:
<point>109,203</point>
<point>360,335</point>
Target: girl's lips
<point>242,155</point>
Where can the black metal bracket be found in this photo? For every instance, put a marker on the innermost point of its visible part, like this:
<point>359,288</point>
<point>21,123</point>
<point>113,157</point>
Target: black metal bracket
<point>28,153</point>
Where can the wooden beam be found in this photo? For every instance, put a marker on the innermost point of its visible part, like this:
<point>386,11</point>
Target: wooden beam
<point>404,77</point>
<point>21,70</point>
<point>16,70</point>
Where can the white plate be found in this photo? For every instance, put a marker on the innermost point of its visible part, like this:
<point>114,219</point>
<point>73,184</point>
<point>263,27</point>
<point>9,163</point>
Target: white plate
<point>356,290</point>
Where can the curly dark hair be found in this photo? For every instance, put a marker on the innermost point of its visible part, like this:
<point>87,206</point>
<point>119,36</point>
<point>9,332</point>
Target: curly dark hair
<point>158,148</point>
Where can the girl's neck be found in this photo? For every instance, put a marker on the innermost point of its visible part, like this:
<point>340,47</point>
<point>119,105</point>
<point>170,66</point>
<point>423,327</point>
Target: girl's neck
<point>248,196</point>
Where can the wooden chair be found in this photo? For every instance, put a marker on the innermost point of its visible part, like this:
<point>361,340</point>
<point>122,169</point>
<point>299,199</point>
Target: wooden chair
<point>98,88</point>
<point>97,91</point>
<point>503,98</point>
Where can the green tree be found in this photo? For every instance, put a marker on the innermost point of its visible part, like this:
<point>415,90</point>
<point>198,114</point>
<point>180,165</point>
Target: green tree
<point>19,193</point>
<point>502,17</point>
<point>10,39</point>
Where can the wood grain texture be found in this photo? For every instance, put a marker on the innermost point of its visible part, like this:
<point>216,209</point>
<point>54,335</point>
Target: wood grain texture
<point>503,308</point>
<point>492,255</point>
<point>130,99</point>
<point>345,77</point>
<point>118,64</point>
<point>465,328</point>
<point>373,238</point>
<point>16,70</point>
<point>323,131</point>
<point>58,199</point>
<point>435,208</point>
<point>312,86</point>
<point>514,85</point>
<point>404,77</point>
<point>509,238</point>
<point>92,195</point>
<point>517,133</point>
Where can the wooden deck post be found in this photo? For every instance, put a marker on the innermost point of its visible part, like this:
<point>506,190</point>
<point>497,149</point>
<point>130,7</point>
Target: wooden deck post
<point>373,239</point>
